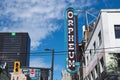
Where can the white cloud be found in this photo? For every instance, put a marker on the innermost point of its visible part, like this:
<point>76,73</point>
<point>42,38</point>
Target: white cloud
<point>71,1</point>
<point>39,62</point>
<point>58,68</point>
<point>34,16</point>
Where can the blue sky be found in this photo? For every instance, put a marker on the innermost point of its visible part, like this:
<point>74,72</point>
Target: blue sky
<point>44,21</point>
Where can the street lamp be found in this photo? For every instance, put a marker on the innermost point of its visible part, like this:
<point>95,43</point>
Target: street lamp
<point>52,65</point>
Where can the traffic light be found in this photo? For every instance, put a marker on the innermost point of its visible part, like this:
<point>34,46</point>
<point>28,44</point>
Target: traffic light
<point>17,66</point>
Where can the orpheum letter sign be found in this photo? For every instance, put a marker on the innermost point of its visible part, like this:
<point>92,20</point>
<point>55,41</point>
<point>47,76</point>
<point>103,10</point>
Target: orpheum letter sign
<point>71,44</point>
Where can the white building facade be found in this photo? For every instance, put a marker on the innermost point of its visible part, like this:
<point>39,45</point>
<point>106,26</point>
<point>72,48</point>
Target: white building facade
<point>66,75</point>
<point>102,48</point>
<point>20,76</point>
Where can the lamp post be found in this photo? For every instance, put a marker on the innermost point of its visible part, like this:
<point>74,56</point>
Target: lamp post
<point>52,65</point>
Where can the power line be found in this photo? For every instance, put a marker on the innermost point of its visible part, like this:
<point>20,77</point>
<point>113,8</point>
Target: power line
<point>58,53</point>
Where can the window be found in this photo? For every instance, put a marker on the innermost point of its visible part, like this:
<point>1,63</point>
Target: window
<point>90,54</point>
<point>87,60</point>
<point>102,61</point>
<point>93,75</point>
<point>96,68</point>
<point>89,77</point>
<point>100,40</point>
<point>94,46</point>
<point>117,31</point>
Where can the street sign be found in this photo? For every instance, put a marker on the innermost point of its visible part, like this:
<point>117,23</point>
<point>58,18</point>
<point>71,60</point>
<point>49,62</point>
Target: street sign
<point>32,72</point>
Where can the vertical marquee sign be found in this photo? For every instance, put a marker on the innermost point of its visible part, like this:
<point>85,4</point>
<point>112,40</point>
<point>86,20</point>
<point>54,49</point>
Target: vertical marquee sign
<point>71,43</point>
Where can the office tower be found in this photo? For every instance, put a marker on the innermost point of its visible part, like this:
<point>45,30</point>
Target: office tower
<point>14,47</point>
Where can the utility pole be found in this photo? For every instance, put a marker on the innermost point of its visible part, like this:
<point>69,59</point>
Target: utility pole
<point>52,64</point>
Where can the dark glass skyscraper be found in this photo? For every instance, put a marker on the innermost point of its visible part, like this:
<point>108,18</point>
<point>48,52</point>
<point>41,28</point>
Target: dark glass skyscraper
<point>14,47</point>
